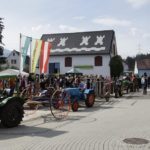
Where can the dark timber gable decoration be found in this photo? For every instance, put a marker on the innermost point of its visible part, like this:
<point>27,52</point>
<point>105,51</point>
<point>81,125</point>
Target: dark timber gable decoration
<point>81,43</point>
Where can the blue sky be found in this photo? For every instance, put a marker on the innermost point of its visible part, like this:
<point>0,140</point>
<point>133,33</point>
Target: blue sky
<point>130,19</point>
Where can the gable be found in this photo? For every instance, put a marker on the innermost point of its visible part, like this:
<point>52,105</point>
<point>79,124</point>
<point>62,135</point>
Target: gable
<point>80,42</point>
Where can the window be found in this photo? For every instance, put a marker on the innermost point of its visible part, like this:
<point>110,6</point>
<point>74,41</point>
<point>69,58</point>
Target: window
<point>13,61</point>
<point>13,54</point>
<point>68,62</point>
<point>98,61</point>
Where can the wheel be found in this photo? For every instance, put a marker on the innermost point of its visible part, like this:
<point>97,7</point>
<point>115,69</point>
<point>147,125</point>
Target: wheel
<point>89,102</point>
<point>50,92</point>
<point>60,104</point>
<point>75,106</point>
<point>12,114</point>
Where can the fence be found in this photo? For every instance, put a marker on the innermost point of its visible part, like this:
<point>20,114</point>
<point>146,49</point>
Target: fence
<point>102,86</point>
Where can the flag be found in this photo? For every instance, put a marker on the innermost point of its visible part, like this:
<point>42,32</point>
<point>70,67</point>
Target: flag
<point>24,46</point>
<point>35,55</point>
<point>44,56</point>
<point>38,49</point>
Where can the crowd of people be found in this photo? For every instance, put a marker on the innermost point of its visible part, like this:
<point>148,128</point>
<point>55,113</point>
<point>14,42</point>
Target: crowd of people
<point>42,82</point>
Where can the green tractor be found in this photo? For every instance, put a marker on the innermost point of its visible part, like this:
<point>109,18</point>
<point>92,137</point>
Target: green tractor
<point>11,109</point>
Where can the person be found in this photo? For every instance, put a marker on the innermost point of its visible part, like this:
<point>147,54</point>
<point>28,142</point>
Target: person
<point>12,86</point>
<point>36,85</point>
<point>149,81</point>
<point>88,84</point>
<point>144,83</point>
<point>82,85</point>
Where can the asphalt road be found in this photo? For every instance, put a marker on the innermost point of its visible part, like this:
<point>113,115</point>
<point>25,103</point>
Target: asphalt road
<point>120,124</point>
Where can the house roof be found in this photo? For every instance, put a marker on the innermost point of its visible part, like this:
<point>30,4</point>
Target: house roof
<point>143,64</point>
<point>14,51</point>
<point>92,42</point>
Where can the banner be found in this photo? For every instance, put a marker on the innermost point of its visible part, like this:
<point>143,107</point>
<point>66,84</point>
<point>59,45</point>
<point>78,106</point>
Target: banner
<point>44,56</point>
<point>24,46</point>
<point>35,55</point>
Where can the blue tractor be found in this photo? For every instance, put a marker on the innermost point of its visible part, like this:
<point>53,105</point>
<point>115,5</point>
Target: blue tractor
<point>76,95</point>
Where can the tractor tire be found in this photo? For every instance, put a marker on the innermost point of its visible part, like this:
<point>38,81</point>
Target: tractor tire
<point>89,102</point>
<point>75,106</point>
<point>12,114</point>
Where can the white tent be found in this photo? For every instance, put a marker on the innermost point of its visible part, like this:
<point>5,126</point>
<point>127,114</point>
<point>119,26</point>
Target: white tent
<point>73,71</point>
<point>135,68</point>
<point>12,72</point>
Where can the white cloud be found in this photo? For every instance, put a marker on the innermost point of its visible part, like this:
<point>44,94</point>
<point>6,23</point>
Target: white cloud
<point>112,22</point>
<point>146,35</point>
<point>79,17</point>
<point>40,27</point>
<point>138,3</point>
<point>36,28</point>
<point>66,28</point>
<point>133,31</point>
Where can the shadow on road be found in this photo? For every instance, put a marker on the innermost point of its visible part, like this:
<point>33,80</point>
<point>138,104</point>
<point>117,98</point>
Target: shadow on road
<point>22,130</point>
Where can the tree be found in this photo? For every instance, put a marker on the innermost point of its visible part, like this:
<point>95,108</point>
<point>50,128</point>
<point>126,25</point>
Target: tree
<point>130,62</point>
<point>116,66</point>
<point>1,36</point>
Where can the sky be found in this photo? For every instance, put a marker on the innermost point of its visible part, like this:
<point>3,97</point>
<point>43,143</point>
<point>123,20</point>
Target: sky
<point>130,19</point>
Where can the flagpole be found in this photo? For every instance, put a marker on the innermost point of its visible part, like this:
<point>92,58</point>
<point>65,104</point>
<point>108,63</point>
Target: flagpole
<point>20,63</point>
<point>30,64</point>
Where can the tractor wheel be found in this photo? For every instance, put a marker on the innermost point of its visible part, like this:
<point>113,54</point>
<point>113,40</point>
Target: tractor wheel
<point>75,106</point>
<point>89,102</point>
<point>12,114</point>
<point>60,104</point>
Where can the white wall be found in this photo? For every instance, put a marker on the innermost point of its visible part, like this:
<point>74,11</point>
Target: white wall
<point>16,57</point>
<point>84,60</point>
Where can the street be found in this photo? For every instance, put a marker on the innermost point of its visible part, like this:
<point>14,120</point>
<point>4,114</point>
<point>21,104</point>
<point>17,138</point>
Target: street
<point>120,124</point>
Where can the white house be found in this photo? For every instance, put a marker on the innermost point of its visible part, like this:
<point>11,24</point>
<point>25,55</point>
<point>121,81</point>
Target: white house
<point>13,59</point>
<point>89,52</point>
<point>3,58</point>
<point>143,66</point>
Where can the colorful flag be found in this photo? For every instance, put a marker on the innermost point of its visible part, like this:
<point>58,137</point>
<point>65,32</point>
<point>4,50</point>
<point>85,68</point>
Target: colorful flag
<point>38,49</point>
<point>35,55</point>
<point>44,56</point>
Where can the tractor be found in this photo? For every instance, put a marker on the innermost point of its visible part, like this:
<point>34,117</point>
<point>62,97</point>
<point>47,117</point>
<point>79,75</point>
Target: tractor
<point>72,96</point>
<point>11,109</point>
